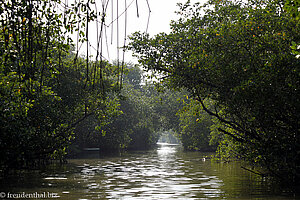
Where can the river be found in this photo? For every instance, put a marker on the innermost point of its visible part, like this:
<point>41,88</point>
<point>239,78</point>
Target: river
<point>166,172</point>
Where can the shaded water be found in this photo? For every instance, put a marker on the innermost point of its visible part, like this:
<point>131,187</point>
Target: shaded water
<point>163,173</point>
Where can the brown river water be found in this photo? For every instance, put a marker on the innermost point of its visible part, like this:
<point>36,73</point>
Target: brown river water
<point>166,172</point>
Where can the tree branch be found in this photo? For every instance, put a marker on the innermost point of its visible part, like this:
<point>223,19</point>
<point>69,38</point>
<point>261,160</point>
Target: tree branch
<point>232,135</point>
<point>254,172</point>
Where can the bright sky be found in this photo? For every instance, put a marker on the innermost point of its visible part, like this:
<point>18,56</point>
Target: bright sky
<point>162,12</point>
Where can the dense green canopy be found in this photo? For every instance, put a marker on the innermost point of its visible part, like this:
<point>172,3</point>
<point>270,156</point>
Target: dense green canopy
<point>240,62</point>
<point>46,90</point>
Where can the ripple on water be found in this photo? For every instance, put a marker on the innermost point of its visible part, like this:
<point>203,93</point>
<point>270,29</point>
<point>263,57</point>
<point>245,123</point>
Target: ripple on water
<point>165,173</point>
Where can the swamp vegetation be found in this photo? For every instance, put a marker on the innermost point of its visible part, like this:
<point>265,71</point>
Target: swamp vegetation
<point>225,79</point>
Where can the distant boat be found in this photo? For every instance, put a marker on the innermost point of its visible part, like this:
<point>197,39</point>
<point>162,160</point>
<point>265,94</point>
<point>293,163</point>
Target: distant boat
<point>91,149</point>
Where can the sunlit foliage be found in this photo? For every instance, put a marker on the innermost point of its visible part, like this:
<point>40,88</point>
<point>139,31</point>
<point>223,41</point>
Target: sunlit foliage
<point>46,89</point>
<point>242,56</point>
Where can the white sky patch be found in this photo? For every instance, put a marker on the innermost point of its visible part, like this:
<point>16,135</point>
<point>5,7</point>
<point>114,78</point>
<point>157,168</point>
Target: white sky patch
<point>162,12</point>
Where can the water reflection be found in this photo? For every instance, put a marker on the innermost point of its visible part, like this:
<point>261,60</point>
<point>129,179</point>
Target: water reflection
<point>163,173</point>
<point>158,174</point>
